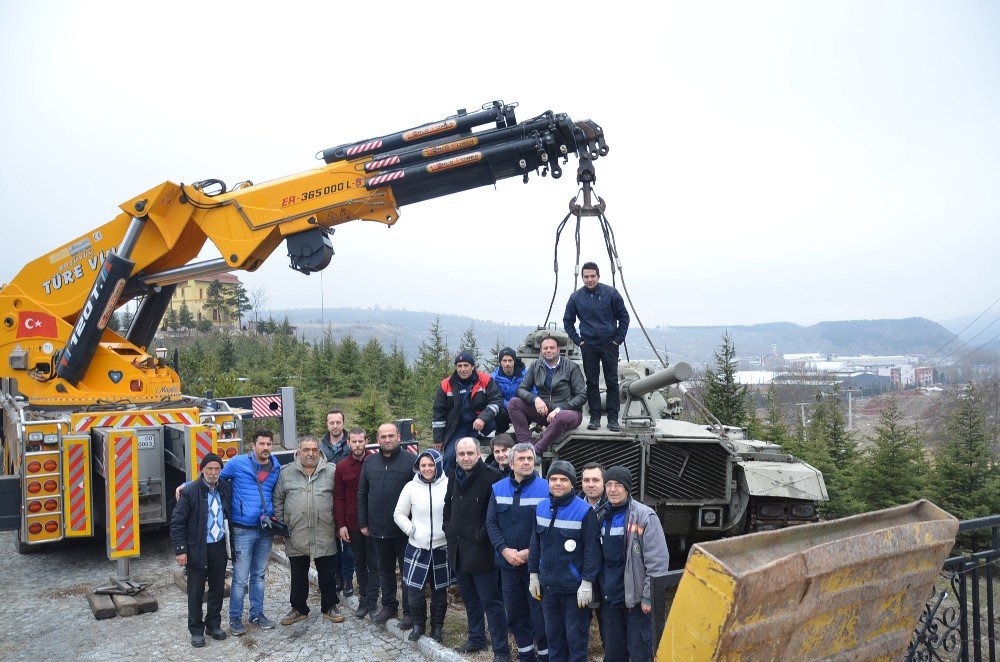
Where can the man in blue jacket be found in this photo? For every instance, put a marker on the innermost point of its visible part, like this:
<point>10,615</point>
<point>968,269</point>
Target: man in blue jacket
<point>563,561</point>
<point>253,478</point>
<point>603,325</point>
<point>510,522</point>
<point>508,375</point>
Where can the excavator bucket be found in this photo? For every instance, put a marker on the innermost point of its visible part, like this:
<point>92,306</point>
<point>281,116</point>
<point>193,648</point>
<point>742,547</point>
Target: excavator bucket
<point>849,589</point>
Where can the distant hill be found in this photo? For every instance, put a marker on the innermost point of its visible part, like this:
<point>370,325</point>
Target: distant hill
<point>914,335</point>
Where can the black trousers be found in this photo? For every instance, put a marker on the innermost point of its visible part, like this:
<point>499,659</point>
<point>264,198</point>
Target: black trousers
<point>390,555</point>
<point>594,358</point>
<point>299,567</point>
<point>365,568</point>
<point>502,420</point>
<point>211,618</point>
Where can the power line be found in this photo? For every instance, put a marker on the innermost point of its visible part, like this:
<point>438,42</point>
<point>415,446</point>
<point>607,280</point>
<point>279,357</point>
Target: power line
<point>963,330</point>
<point>996,337</point>
<point>966,343</point>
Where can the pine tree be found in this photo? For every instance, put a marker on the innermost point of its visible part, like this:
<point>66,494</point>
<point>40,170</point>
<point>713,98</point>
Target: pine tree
<point>374,363</point>
<point>433,364</point>
<point>216,300</point>
<point>470,344</point>
<point>775,428</point>
<point>965,481</point>
<point>893,470</point>
<point>493,360</point>
<point>170,320</point>
<point>371,411</point>
<point>349,368</point>
<point>753,422</point>
<point>184,317</point>
<point>238,301</point>
<point>399,384</point>
<point>723,396</point>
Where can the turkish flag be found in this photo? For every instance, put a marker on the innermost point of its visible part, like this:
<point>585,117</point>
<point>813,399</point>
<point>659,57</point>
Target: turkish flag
<point>32,324</point>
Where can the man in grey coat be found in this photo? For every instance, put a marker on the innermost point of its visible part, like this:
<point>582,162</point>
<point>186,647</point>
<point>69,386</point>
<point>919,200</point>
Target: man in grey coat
<point>303,501</point>
<point>634,552</point>
<point>558,406</point>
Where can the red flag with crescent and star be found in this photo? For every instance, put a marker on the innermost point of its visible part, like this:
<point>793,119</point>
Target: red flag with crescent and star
<point>31,324</point>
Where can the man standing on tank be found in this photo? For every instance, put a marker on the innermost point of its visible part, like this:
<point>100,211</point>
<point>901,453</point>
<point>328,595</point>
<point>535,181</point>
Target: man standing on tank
<point>603,326</point>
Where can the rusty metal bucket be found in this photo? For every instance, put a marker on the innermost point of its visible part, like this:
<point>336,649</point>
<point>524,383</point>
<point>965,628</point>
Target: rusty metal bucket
<point>849,589</point>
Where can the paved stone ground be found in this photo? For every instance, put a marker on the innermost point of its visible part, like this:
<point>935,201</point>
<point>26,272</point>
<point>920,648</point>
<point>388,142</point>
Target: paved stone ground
<point>44,614</point>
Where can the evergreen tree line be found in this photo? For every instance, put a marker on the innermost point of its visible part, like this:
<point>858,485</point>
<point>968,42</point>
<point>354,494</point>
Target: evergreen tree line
<point>379,383</point>
<point>961,473</point>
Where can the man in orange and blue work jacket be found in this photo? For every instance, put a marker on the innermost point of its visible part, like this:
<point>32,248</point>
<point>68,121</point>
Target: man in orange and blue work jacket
<point>465,405</point>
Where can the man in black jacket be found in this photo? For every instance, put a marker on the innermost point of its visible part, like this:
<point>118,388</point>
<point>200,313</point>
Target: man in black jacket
<point>603,326</point>
<point>383,477</point>
<point>197,531</point>
<point>465,405</point>
<point>470,552</point>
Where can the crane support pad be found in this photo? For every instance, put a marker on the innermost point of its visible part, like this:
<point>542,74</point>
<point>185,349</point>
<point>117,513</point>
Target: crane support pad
<point>848,589</point>
<point>77,487</point>
<point>121,461</point>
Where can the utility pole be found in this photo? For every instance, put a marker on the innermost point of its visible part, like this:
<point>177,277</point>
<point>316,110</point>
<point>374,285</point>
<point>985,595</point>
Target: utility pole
<point>802,409</point>
<point>850,406</point>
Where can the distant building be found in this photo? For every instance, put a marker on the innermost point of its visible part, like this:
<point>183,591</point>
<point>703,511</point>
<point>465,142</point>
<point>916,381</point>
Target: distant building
<point>923,376</point>
<point>194,293</point>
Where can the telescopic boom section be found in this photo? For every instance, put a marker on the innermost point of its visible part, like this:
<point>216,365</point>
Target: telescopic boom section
<point>54,313</point>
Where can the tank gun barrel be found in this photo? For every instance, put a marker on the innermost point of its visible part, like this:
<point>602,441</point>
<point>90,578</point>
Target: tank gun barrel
<point>675,374</point>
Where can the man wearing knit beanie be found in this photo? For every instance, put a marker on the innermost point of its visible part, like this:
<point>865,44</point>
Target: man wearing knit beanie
<point>197,531</point>
<point>465,405</point>
<point>563,561</point>
<point>634,552</point>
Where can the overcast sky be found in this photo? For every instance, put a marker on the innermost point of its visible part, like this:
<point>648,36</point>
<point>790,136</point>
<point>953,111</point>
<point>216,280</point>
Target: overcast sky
<point>769,161</point>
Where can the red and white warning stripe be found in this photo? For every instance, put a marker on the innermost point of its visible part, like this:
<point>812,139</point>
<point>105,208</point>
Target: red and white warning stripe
<point>77,495</point>
<point>387,177</point>
<point>125,540</point>
<point>266,406</point>
<point>364,147</point>
<point>381,163</point>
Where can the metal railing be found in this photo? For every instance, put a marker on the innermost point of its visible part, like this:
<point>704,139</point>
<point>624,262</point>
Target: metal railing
<point>961,623</point>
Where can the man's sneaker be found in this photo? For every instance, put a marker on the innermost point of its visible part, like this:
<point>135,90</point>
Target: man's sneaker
<point>218,634</point>
<point>237,628</point>
<point>595,423</point>
<point>349,590</point>
<point>363,610</point>
<point>406,622</point>
<point>614,427</point>
<point>294,616</point>
<point>384,615</point>
<point>263,622</point>
<point>198,640</point>
<point>333,614</point>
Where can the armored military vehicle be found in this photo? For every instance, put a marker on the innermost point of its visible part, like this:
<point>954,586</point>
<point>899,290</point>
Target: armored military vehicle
<point>704,481</point>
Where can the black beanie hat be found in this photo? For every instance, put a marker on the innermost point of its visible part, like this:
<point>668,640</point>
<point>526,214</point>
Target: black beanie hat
<point>621,475</point>
<point>507,351</point>
<point>464,357</point>
<point>210,457</point>
<point>562,467</point>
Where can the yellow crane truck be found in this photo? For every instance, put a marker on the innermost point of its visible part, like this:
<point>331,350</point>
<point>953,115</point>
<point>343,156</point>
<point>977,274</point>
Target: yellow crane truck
<point>96,429</point>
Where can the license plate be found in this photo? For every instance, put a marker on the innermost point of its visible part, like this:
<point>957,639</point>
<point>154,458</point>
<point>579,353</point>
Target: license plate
<point>147,441</point>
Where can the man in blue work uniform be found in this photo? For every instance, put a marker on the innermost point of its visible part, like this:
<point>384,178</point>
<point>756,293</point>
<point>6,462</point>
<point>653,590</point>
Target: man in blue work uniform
<point>510,522</point>
<point>563,562</point>
<point>634,552</point>
<point>603,326</point>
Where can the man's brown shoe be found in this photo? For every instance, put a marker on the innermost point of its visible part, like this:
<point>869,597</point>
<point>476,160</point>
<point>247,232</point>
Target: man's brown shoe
<point>333,614</point>
<point>294,616</point>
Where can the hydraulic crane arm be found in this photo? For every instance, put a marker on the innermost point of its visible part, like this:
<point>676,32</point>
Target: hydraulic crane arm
<point>55,311</point>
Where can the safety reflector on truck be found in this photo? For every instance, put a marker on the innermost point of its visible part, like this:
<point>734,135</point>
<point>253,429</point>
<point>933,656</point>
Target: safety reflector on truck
<point>201,442</point>
<point>76,491</point>
<point>42,501</point>
<point>121,461</point>
<point>86,421</point>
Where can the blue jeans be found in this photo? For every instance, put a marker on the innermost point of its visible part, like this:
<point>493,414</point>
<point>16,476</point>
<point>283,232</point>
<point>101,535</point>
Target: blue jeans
<point>343,563</point>
<point>252,549</point>
<point>480,594</point>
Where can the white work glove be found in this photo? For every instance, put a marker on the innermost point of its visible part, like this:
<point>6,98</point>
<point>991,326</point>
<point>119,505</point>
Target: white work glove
<point>584,594</point>
<point>534,586</point>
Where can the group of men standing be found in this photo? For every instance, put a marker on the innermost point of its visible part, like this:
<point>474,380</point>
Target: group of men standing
<point>527,553</point>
